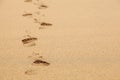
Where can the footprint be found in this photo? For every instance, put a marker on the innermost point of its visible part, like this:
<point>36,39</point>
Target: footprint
<point>27,14</point>
<point>30,41</point>
<point>42,6</point>
<point>39,62</point>
<point>45,24</point>
<point>28,1</point>
<point>42,24</point>
<point>30,72</point>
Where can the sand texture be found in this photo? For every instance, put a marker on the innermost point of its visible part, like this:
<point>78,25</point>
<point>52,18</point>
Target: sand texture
<point>59,40</point>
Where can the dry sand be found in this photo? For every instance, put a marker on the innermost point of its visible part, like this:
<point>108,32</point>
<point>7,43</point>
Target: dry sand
<point>82,44</point>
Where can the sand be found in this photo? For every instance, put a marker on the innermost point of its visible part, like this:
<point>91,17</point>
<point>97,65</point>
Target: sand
<point>82,44</point>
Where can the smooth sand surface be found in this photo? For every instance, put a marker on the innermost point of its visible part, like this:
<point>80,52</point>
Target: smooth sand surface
<point>82,44</point>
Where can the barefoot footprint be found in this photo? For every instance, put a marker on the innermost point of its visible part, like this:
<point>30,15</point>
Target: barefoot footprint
<point>38,60</point>
<point>29,41</point>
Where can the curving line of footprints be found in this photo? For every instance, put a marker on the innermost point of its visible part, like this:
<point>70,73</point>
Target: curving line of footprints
<point>30,41</point>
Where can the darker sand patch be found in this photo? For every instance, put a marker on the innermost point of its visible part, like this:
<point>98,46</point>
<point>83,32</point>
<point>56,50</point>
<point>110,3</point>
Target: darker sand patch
<point>28,1</point>
<point>30,41</point>
<point>42,6</point>
<point>27,14</point>
<point>41,62</point>
<point>30,72</point>
<point>45,24</point>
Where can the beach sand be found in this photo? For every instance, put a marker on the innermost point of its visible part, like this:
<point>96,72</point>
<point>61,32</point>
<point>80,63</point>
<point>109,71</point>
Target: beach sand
<point>82,44</point>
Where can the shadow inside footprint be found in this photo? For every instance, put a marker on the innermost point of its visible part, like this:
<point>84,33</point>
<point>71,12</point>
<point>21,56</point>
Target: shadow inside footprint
<point>41,62</point>
<point>42,6</point>
<point>27,14</point>
<point>46,24</point>
<point>29,41</point>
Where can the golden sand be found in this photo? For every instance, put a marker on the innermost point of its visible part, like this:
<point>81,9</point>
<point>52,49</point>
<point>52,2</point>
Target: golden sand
<point>82,44</point>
